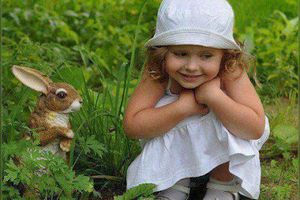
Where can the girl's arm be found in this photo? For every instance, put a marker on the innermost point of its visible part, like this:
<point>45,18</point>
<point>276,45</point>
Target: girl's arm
<point>239,109</point>
<point>143,120</point>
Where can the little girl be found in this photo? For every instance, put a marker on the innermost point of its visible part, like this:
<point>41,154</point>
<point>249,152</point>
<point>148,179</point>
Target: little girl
<point>195,108</point>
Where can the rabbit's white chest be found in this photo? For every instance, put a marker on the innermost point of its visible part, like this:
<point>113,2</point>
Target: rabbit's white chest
<point>57,119</point>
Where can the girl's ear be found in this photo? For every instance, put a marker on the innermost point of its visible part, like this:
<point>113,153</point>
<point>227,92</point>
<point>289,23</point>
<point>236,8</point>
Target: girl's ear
<point>32,78</point>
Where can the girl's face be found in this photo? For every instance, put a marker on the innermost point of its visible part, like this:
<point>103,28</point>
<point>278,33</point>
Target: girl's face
<point>191,66</point>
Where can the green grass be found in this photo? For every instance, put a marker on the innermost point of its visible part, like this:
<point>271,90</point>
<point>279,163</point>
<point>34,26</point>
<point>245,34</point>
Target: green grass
<point>279,179</point>
<point>249,11</point>
<point>280,164</point>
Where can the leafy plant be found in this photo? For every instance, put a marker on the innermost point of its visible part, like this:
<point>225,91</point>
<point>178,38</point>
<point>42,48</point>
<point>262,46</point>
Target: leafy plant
<point>43,172</point>
<point>143,191</point>
<point>283,123</point>
<point>279,179</point>
<point>286,135</point>
<point>276,53</point>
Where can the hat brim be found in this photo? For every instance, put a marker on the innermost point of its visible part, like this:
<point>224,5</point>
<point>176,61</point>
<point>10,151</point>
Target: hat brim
<point>192,37</point>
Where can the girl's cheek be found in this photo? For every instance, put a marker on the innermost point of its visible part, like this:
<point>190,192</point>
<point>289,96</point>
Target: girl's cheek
<point>170,60</point>
<point>211,71</point>
<point>175,62</point>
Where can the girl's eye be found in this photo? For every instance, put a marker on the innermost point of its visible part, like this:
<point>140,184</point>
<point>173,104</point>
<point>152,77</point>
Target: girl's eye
<point>61,95</point>
<point>206,56</point>
<point>180,54</point>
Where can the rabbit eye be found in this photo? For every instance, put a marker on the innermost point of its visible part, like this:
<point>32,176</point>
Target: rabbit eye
<point>61,93</point>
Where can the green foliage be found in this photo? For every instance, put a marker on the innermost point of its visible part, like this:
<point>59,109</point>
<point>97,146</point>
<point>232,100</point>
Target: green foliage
<point>276,53</point>
<point>143,191</point>
<point>286,134</point>
<point>42,171</point>
<point>283,123</point>
<point>279,179</point>
<point>263,9</point>
<point>10,192</point>
<point>279,163</point>
<point>279,192</point>
<point>90,144</point>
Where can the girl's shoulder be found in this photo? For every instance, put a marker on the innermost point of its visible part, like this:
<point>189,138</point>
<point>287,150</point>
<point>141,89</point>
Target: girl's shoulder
<point>151,86</point>
<point>146,94</point>
<point>148,80</point>
<point>229,76</point>
<point>235,79</point>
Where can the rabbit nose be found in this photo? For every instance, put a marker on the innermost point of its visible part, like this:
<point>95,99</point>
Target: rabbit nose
<point>80,101</point>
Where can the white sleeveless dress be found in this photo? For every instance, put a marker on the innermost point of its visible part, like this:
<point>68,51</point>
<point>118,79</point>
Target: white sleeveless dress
<point>193,148</point>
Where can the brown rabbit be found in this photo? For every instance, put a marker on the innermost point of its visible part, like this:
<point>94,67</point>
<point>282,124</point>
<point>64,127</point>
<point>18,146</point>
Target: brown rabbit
<point>50,117</point>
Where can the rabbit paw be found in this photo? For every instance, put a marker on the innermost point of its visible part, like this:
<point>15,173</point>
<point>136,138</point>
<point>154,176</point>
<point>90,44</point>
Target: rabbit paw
<point>70,134</point>
<point>65,145</point>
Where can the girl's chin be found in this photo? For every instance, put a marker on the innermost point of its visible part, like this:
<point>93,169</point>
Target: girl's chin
<point>185,84</point>
<point>190,85</point>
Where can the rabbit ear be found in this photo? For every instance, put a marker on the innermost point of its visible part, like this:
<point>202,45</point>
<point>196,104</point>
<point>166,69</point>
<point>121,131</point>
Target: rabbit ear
<point>32,78</point>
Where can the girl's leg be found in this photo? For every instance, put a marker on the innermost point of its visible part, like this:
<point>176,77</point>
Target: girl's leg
<point>180,191</point>
<point>222,184</point>
<point>221,173</point>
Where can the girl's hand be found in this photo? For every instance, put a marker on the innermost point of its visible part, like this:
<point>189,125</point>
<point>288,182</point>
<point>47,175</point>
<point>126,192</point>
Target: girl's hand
<point>207,91</point>
<point>190,105</point>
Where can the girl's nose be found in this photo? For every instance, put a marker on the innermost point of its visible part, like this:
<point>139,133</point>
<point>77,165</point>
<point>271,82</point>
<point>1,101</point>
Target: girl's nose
<point>192,65</point>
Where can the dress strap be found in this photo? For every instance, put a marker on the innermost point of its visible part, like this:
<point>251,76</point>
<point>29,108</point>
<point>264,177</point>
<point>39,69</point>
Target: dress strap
<point>169,84</point>
<point>168,89</point>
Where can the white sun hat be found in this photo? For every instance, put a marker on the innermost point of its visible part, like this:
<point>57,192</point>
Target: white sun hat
<point>194,22</point>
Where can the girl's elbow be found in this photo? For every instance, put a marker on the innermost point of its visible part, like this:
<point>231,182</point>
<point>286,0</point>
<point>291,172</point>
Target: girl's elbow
<point>129,130</point>
<point>257,135</point>
<point>259,131</point>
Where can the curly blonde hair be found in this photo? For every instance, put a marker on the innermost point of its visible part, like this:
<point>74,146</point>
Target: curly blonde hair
<point>231,61</point>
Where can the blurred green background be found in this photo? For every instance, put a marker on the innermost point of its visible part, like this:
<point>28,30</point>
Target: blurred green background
<point>97,46</point>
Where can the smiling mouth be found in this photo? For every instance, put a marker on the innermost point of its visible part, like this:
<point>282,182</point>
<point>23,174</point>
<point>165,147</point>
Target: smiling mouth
<point>188,77</point>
